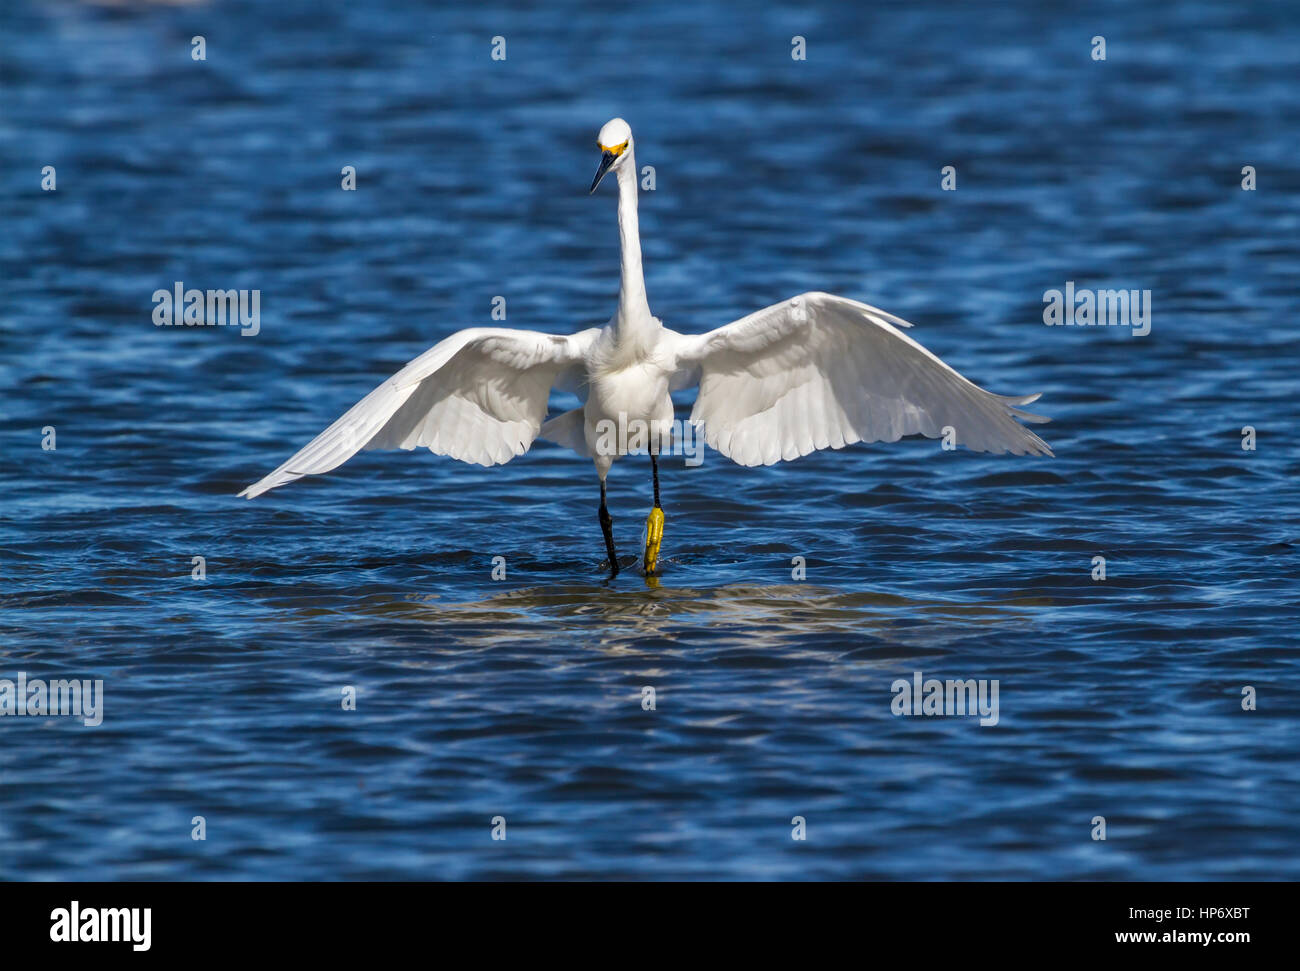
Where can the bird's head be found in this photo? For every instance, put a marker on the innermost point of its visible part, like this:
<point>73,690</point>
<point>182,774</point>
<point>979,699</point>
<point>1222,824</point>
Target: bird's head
<point>615,142</point>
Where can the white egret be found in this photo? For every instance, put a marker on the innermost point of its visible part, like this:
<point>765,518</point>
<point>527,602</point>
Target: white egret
<point>817,371</point>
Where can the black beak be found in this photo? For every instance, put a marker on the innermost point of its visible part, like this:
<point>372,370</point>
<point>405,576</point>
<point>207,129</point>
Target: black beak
<point>606,160</point>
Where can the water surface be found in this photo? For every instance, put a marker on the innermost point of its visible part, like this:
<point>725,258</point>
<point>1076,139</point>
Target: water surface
<point>522,697</point>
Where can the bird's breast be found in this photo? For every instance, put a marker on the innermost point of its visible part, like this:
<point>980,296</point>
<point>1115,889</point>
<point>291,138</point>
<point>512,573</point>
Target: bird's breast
<point>639,392</point>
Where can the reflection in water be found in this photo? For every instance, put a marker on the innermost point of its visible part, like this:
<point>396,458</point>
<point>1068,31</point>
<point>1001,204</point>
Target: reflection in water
<point>758,615</point>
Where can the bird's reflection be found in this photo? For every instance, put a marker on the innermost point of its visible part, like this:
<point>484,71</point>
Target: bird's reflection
<point>655,607</point>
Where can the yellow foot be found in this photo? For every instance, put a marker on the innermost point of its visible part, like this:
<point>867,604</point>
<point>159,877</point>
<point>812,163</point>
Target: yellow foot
<point>654,535</point>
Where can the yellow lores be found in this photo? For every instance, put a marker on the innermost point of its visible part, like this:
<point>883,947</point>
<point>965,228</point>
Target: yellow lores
<point>615,150</point>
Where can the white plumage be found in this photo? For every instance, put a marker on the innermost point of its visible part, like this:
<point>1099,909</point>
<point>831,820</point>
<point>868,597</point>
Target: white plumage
<point>479,396</point>
<point>817,371</point>
<point>820,371</point>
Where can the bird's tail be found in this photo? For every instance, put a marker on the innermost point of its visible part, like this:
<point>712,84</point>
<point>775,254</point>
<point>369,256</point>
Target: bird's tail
<point>567,430</point>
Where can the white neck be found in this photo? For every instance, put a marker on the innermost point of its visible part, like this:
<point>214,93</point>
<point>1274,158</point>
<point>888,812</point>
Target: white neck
<point>633,311</point>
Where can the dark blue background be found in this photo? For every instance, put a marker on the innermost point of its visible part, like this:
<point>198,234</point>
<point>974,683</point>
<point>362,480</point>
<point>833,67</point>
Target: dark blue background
<point>521,698</point>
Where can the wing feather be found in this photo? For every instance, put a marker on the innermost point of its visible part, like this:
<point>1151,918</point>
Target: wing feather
<point>821,371</point>
<point>479,396</point>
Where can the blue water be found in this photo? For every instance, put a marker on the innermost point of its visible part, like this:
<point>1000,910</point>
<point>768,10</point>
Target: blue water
<point>522,697</point>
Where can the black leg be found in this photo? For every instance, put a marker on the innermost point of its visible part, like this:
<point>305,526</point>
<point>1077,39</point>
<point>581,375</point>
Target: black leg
<point>654,467</point>
<point>607,527</point>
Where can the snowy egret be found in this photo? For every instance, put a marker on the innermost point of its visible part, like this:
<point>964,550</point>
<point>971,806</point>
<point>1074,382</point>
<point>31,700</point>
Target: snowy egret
<point>816,371</point>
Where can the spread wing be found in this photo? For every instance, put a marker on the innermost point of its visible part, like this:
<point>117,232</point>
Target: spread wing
<point>820,371</point>
<point>479,396</point>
